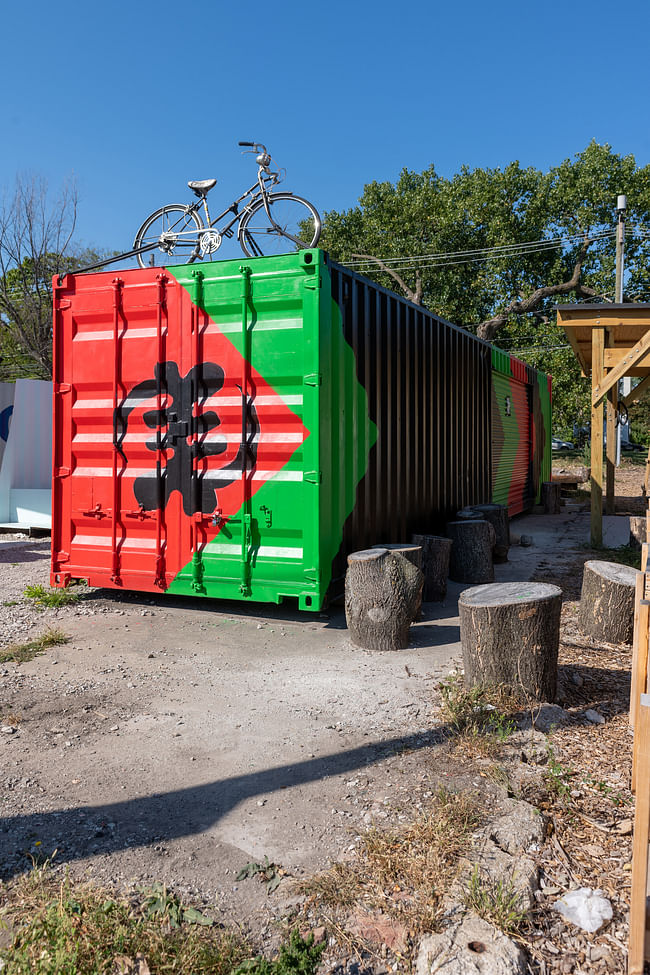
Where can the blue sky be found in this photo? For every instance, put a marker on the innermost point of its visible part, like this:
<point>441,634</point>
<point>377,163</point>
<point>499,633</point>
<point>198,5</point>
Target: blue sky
<point>134,99</point>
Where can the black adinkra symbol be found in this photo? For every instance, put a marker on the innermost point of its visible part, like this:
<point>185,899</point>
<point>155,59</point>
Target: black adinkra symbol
<point>173,424</point>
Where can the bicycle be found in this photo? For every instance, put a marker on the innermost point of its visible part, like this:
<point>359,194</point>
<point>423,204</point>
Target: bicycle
<point>269,223</point>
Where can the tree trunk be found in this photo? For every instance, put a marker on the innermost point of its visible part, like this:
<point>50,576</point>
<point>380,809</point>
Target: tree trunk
<point>497,515</point>
<point>607,601</point>
<point>413,553</point>
<point>551,492</point>
<point>510,634</point>
<point>471,552</point>
<point>638,531</point>
<point>381,592</point>
<point>435,565</point>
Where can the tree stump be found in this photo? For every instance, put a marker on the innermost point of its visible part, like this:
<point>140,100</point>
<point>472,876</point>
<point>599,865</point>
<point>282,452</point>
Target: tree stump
<point>607,601</point>
<point>510,634</point>
<point>436,551</point>
<point>638,531</point>
<point>551,493</point>
<point>497,515</point>
<point>413,553</point>
<point>471,552</point>
<point>382,589</point>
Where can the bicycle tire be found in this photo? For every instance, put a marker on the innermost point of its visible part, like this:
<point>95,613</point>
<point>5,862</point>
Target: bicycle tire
<point>172,219</point>
<point>261,237</point>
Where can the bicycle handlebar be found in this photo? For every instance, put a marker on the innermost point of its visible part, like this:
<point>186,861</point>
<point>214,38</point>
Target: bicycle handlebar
<point>246,143</point>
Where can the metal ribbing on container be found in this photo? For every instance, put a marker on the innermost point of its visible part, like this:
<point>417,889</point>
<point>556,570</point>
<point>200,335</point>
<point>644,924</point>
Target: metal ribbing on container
<point>428,389</point>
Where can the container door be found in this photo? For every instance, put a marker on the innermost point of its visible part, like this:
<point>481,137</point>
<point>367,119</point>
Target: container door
<point>511,442</point>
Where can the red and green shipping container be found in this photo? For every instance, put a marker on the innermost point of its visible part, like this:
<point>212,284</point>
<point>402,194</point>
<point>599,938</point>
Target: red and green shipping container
<point>236,429</point>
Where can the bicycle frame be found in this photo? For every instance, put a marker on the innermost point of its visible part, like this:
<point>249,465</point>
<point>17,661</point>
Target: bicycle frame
<point>256,192</point>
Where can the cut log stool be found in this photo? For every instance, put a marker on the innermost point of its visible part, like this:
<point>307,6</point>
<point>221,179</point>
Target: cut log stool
<point>436,552</point>
<point>510,635</point>
<point>471,552</point>
<point>497,515</point>
<point>382,589</point>
<point>413,553</point>
<point>638,531</point>
<point>607,601</point>
<point>551,494</point>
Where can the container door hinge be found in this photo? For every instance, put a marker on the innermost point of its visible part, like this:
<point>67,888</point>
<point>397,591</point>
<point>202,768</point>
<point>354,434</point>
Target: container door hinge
<point>62,387</point>
<point>314,379</point>
<point>313,574</point>
<point>314,477</point>
<point>62,472</point>
<point>62,304</point>
<point>313,282</point>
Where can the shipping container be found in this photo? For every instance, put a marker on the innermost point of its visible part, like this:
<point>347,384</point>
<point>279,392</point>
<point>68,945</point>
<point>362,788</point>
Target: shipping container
<point>521,432</point>
<point>234,429</point>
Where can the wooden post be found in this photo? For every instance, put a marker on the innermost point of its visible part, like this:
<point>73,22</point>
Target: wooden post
<point>597,374</point>
<point>639,684</point>
<point>636,951</point>
<point>639,593</point>
<point>612,406</point>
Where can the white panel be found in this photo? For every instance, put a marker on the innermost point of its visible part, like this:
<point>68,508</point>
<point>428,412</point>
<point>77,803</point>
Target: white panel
<point>27,461</point>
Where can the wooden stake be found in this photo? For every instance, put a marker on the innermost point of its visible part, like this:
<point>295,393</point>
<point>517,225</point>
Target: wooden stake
<point>612,405</point>
<point>636,951</point>
<point>639,682</point>
<point>597,373</point>
<point>639,595</point>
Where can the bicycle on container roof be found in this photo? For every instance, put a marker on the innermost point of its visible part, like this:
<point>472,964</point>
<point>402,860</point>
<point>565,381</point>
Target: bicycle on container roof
<point>268,222</point>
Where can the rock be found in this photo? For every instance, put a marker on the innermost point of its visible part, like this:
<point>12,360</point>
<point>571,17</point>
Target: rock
<point>379,929</point>
<point>544,718</point>
<point>471,947</point>
<point>526,541</point>
<point>593,716</point>
<point>519,829</point>
<point>495,866</point>
<point>585,907</point>
<point>8,729</point>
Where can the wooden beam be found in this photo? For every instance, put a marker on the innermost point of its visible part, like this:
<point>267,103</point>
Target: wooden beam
<point>597,378</point>
<point>610,467</point>
<point>631,358</point>
<point>635,395</point>
<point>578,351</point>
<point>636,951</point>
<point>614,356</point>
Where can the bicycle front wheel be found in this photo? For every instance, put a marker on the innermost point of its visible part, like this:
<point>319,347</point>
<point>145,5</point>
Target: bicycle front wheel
<point>291,224</point>
<point>174,229</point>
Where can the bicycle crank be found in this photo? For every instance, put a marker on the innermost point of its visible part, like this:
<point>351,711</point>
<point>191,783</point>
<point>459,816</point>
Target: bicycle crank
<point>210,241</point>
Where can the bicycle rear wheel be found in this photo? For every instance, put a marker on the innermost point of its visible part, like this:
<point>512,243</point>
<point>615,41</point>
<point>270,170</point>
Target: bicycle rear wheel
<point>291,224</point>
<point>174,228</point>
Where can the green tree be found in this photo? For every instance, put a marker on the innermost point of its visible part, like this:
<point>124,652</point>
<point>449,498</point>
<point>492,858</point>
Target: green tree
<point>462,247</point>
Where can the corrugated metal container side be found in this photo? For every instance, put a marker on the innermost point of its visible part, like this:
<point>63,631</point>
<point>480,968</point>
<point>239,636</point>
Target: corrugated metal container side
<point>521,432</point>
<point>234,430</point>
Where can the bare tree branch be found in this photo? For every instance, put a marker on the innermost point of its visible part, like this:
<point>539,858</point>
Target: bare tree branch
<point>414,296</point>
<point>488,329</point>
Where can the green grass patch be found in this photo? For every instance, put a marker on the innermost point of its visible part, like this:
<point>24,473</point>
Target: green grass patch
<point>624,554</point>
<point>60,927</point>
<point>22,652</point>
<point>51,598</point>
<point>495,901</point>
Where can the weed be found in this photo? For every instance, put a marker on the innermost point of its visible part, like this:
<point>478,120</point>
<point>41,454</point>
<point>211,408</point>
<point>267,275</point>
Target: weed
<point>558,776</point>
<point>21,652</point>
<point>61,928</point>
<point>403,872</point>
<point>624,554</point>
<point>51,598</point>
<point>270,873</point>
<point>478,715</point>
<point>298,957</point>
<point>495,901</point>
<point>11,602</point>
<point>161,903</point>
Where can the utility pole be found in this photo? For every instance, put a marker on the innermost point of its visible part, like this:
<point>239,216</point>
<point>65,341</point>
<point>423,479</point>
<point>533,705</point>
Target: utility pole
<point>621,207</point>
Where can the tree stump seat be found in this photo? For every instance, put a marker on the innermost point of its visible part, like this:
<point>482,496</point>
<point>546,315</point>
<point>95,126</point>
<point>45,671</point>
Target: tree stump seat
<point>382,591</point>
<point>436,552</point>
<point>497,516</point>
<point>510,635</point>
<point>471,553</point>
<point>607,601</point>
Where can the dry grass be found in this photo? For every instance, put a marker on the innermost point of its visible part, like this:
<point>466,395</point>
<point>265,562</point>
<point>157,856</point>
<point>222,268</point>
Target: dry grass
<point>480,719</point>
<point>60,928</point>
<point>404,873</point>
<point>22,652</point>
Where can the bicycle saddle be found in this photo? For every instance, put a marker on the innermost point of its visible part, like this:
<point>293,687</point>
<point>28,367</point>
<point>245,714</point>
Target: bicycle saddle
<point>201,186</point>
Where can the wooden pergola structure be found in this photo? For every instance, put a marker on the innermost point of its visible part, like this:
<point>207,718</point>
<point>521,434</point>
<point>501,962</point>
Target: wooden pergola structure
<point>611,341</point>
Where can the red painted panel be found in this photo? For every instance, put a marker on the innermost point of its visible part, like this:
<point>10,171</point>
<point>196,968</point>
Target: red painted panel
<point>137,342</point>
<point>521,465</point>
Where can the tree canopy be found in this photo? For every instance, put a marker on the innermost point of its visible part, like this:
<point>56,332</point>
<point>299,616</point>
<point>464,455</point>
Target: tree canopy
<point>468,248</point>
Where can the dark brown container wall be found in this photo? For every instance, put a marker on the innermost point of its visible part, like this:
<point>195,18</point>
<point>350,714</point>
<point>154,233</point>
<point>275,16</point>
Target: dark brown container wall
<point>428,387</point>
